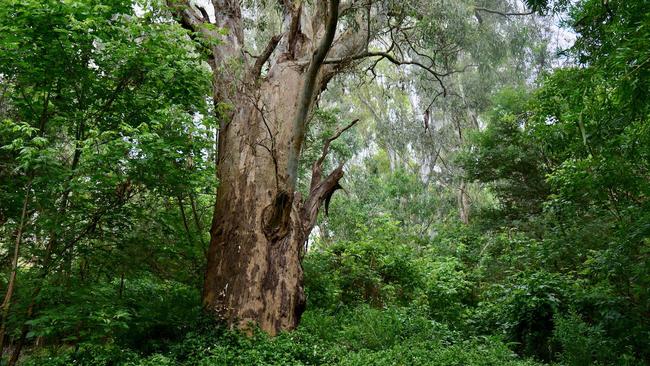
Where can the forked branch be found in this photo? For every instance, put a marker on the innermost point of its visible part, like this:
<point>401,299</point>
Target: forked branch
<point>321,190</point>
<point>256,70</point>
<point>326,146</point>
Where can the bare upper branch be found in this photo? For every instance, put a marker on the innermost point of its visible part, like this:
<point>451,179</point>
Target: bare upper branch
<point>504,14</point>
<point>326,147</point>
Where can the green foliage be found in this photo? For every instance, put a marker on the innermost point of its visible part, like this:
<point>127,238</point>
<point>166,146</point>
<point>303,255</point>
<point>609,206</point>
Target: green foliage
<point>377,269</point>
<point>585,344</point>
<point>89,354</point>
<point>143,313</point>
<point>375,192</point>
<point>503,155</point>
<point>385,268</point>
<point>105,138</point>
<point>575,149</point>
<point>524,310</point>
<point>356,336</point>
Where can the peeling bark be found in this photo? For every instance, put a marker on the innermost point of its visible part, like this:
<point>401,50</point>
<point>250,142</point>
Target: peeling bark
<point>254,272</point>
<point>260,222</point>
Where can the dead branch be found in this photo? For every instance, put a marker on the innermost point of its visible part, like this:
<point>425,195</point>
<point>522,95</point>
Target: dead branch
<point>504,14</point>
<point>326,146</point>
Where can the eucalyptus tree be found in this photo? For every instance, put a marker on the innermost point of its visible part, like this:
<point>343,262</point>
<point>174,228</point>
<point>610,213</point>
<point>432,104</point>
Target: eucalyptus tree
<point>504,45</point>
<point>264,103</point>
<point>421,126</point>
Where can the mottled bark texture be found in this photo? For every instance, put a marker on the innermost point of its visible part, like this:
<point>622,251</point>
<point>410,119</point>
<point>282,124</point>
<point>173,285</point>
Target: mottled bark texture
<point>261,223</point>
<point>254,272</point>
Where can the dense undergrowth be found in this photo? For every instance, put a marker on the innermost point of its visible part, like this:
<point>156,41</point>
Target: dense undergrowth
<point>378,307</point>
<point>384,299</point>
<point>359,336</point>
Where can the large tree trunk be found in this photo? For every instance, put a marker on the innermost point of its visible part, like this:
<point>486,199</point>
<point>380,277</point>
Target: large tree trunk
<point>260,222</point>
<point>254,272</point>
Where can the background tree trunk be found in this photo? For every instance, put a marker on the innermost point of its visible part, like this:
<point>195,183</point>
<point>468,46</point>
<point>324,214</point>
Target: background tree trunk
<point>463,203</point>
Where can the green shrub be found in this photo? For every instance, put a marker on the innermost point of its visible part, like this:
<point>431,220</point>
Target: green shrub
<point>85,355</point>
<point>447,289</point>
<point>354,336</point>
<point>524,311</point>
<point>385,269</point>
<point>582,344</point>
<point>379,269</point>
<point>473,352</point>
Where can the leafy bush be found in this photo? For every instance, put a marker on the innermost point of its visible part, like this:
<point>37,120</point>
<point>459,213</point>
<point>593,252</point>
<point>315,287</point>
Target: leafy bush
<point>582,343</point>
<point>447,289</point>
<point>142,313</point>
<point>524,310</point>
<point>383,269</point>
<point>85,355</point>
<point>379,269</point>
